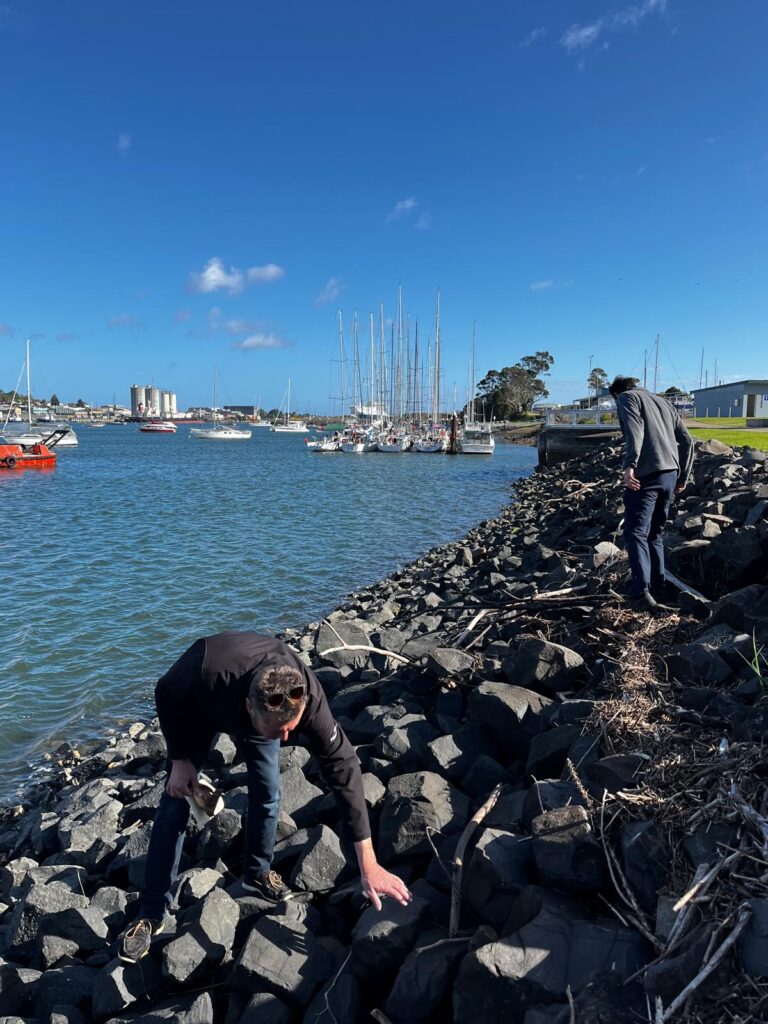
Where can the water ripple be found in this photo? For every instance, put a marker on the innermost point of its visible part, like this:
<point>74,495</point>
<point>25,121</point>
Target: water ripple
<point>136,545</point>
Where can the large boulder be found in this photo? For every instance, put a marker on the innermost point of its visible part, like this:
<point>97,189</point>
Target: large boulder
<point>736,558</point>
<point>40,902</point>
<point>567,855</point>
<point>415,802</point>
<point>283,957</point>
<point>543,666</point>
<point>558,949</point>
<point>321,862</point>
<point>501,868</point>
<point>206,936</point>
<point>335,635</point>
<point>511,714</point>
<point>423,984</point>
<point>182,1010</point>
<point>120,984</point>
<point>381,939</point>
<point>744,610</point>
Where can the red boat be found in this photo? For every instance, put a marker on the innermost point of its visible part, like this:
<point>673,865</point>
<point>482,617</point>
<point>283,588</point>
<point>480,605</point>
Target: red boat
<point>33,456</point>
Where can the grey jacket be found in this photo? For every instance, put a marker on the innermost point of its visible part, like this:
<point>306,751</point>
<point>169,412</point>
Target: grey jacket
<point>656,437</point>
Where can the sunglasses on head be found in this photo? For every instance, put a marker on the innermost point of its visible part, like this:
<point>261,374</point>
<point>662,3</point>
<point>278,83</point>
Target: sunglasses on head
<point>276,701</point>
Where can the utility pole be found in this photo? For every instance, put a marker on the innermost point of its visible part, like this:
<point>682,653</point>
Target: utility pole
<point>589,385</point>
<point>701,367</point>
<point>645,368</point>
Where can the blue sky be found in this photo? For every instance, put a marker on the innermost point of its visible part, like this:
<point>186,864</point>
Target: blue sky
<point>185,186</point>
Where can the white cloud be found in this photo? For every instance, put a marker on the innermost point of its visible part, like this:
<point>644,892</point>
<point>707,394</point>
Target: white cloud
<point>424,223</point>
<point>332,289</point>
<point>402,208</point>
<point>541,286</point>
<point>124,141</point>
<point>6,331</point>
<point>125,321</point>
<point>533,37</point>
<point>578,38</point>
<point>264,275</point>
<point>215,277</point>
<point>254,341</point>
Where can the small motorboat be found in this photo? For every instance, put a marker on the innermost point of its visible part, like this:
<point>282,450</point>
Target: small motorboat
<point>322,444</point>
<point>158,427</point>
<point>39,455</point>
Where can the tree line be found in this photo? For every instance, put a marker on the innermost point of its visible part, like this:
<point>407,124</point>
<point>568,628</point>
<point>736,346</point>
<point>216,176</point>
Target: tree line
<point>510,392</point>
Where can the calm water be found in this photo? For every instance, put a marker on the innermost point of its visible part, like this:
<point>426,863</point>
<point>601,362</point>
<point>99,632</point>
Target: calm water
<point>135,545</point>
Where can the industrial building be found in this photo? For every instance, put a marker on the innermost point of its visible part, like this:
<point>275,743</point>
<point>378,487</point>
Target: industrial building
<point>741,398</point>
<point>148,401</point>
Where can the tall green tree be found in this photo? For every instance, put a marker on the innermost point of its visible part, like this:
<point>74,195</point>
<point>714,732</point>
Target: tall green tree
<point>597,379</point>
<point>511,391</point>
<point>54,400</point>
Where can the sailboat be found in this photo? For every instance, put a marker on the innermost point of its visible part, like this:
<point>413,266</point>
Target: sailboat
<point>27,438</point>
<point>260,422</point>
<point>435,439</point>
<point>218,432</point>
<point>287,425</point>
<point>477,438</point>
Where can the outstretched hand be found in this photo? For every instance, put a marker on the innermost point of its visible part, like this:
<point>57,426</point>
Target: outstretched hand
<point>377,882</point>
<point>183,779</point>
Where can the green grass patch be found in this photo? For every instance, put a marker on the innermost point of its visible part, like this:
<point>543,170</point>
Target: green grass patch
<point>750,438</point>
<point>723,421</point>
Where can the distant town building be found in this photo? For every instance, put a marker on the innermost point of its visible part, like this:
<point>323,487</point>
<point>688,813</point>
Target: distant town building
<point>741,398</point>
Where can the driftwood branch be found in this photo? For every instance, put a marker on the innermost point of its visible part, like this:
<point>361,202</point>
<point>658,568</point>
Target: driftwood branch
<point>465,633</point>
<point>365,647</point>
<point>344,646</point>
<point>745,912</point>
<point>750,815</point>
<point>458,858</point>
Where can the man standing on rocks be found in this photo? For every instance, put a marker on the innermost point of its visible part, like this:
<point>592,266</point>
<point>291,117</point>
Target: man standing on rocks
<point>257,690</point>
<point>657,465</point>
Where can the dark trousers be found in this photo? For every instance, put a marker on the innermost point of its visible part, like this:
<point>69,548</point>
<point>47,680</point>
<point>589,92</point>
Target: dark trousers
<point>262,760</point>
<point>645,513</point>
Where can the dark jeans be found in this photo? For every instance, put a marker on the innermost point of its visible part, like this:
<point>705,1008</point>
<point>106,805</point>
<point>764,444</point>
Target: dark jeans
<point>645,513</point>
<point>262,760</point>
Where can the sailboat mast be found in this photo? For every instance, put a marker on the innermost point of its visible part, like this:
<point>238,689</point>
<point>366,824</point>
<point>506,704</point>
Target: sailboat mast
<point>436,385</point>
<point>656,368</point>
<point>371,371</point>
<point>399,371</point>
<point>29,393</point>
<point>357,399</point>
<point>472,374</point>
<point>341,364</point>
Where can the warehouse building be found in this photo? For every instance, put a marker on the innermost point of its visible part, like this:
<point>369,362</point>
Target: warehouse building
<point>741,398</point>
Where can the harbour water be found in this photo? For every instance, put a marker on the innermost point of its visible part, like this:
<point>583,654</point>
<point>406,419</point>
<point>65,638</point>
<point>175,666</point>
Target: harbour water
<point>135,545</point>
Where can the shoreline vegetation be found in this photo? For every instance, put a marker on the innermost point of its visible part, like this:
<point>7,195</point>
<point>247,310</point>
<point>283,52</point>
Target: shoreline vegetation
<point>574,791</point>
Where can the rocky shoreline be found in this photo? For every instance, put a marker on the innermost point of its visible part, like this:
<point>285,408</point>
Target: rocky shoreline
<point>597,773</point>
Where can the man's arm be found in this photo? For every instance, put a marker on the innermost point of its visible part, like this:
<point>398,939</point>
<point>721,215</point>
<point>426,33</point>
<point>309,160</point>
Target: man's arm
<point>685,452</point>
<point>176,709</point>
<point>632,426</point>
<point>341,769</point>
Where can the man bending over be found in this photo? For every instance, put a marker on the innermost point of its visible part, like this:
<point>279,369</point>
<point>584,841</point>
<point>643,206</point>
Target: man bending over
<point>257,690</point>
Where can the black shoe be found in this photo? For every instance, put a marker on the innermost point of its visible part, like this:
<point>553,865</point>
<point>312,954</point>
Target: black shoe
<point>643,602</point>
<point>667,596</point>
<point>136,940</point>
<point>268,886</point>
